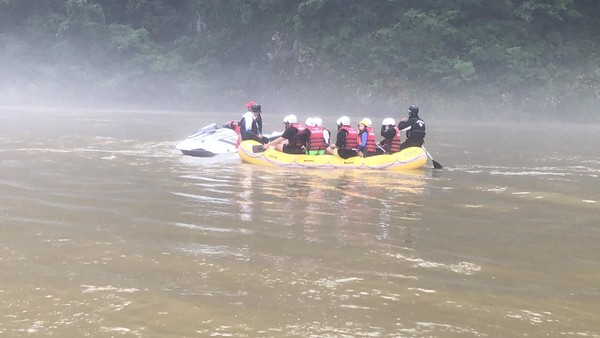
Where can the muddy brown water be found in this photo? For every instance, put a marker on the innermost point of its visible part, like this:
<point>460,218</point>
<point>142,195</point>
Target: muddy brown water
<point>107,230</point>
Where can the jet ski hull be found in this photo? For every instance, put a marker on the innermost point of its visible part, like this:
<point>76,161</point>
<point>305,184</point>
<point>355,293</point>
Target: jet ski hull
<point>209,141</point>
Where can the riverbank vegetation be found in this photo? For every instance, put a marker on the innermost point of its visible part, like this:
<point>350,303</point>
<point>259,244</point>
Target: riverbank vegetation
<point>467,58</point>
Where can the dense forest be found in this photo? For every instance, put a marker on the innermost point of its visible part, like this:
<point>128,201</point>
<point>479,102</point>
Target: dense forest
<point>459,58</point>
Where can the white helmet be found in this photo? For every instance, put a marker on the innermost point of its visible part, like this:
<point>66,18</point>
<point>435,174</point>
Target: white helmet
<point>318,121</point>
<point>290,119</point>
<point>388,121</point>
<point>344,121</point>
<point>310,122</point>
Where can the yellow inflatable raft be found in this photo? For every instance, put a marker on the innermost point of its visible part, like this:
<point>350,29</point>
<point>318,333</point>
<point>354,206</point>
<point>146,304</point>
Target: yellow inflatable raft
<point>407,159</point>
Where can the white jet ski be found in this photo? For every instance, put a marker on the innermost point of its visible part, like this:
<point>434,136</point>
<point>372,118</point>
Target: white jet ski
<point>212,140</point>
<point>209,141</point>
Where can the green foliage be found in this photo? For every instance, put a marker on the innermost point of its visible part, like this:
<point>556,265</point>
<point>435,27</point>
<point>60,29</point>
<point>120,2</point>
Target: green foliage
<point>537,54</point>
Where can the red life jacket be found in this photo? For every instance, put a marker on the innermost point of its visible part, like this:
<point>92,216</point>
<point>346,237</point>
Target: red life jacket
<point>371,142</point>
<point>393,145</point>
<point>371,146</point>
<point>351,142</point>
<point>316,141</point>
<point>297,140</point>
<point>396,140</point>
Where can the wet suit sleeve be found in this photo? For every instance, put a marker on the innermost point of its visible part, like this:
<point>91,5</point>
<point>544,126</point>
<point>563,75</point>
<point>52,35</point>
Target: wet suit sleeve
<point>305,137</point>
<point>341,138</point>
<point>289,133</point>
<point>404,124</point>
<point>363,141</point>
<point>388,133</point>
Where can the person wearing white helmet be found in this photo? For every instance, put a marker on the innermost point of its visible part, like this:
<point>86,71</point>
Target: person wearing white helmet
<point>293,140</point>
<point>326,132</point>
<point>315,144</point>
<point>346,142</point>
<point>366,139</point>
<point>310,122</point>
<point>391,137</point>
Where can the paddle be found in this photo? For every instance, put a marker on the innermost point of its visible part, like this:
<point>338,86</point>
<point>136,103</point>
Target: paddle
<point>257,148</point>
<point>436,164</point>
<point>378,146</point>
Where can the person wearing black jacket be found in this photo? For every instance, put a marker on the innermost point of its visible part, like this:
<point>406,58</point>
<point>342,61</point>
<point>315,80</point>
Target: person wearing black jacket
<point>293,139</point>
<point>251,124</point>
<point>414,127</point>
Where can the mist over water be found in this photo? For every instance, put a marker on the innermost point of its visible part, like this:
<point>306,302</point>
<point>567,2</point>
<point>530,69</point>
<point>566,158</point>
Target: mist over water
<point>108,231</point>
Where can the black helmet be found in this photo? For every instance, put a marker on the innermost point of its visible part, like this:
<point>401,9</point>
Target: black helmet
<point>255,108</point>
<point>413,110</point>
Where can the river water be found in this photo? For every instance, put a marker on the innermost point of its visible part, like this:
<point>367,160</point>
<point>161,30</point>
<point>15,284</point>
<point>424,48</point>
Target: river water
<point>107,230</point>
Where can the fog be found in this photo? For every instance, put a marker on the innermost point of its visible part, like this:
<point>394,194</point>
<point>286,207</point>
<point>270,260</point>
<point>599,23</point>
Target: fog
<point>40,78</point>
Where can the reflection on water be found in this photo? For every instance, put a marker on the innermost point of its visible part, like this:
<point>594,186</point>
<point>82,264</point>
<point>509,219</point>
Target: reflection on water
<point>306,199</point>
<point>108,231</point>
<point>246,199</point>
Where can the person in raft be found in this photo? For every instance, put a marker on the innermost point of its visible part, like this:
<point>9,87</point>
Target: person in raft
<point>367,146</point>
<point>315,144</point>
<point>391,137</point>
<point>293,140</point>
<point>251,124</point>
<point>414,127</point>
<point>326,132</point>
<point>346,139</point>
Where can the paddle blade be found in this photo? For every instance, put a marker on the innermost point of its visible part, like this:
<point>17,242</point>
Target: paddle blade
<point>258,148</point>
<point>436,164</point>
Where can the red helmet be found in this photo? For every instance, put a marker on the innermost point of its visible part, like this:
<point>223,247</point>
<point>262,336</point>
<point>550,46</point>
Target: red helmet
<point>250,104</point>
